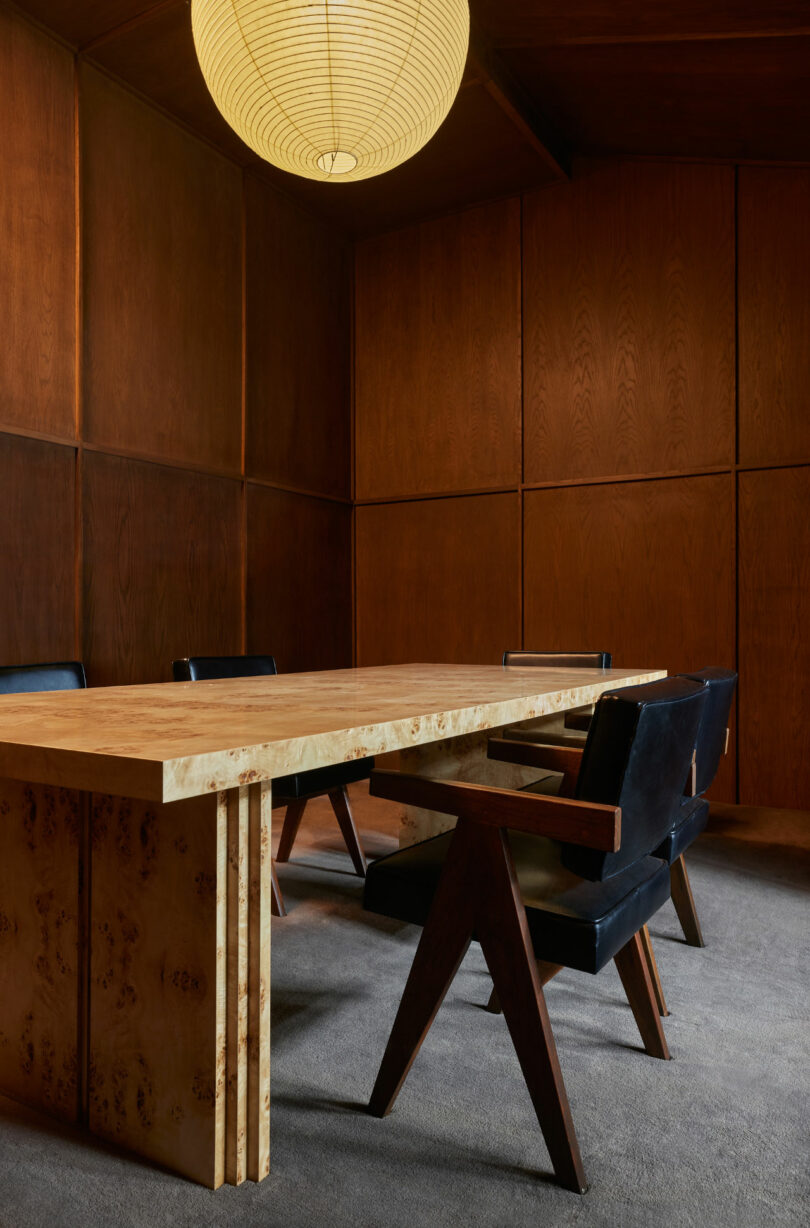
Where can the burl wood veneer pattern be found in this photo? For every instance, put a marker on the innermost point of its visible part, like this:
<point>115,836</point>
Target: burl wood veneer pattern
<point>180,982</point>
<point>178,740</point>
<point>39,946</point>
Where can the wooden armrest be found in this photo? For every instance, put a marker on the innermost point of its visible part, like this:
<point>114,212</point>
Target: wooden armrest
<point>587,823</point>
<point>535,754</point>
<point>579,718</point>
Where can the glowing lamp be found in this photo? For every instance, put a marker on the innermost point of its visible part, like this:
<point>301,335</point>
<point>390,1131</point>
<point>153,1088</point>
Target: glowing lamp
<point>336,90</point>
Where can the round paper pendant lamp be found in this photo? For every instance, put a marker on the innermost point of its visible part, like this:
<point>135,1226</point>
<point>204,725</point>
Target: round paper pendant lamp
<point>336,90</point>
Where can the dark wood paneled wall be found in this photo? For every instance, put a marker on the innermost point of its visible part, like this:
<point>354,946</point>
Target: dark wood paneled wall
<point>657,297</point>
<point>175,363</point>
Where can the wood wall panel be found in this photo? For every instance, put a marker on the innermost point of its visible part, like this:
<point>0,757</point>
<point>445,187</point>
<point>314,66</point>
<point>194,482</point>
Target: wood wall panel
<point>162,568</point>
<point>629,321</point>
<point>774,274</point>
<point>438,580</point>
<point>299,580</point>
<point>37,224</point>
<point>643,569</point>
<point>298,347</point>
<point>37,541</point>
<point>161,216</point>
<point>774,643</point>
<point>437,366</point>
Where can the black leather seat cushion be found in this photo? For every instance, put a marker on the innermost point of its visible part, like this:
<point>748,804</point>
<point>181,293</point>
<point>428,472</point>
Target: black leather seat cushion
<point>573,922</point>
<point>322,780</point>
<point>691,821</point>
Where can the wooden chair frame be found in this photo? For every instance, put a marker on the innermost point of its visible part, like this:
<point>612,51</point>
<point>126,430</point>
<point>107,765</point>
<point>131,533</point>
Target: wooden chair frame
<point>478,895</point>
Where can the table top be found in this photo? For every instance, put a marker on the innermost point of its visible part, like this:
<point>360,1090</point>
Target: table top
<point>168,741</point>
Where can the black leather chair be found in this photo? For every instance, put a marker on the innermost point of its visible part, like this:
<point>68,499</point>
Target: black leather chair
<point>693,812</point>
<point>548,729</point>
<point>296,790</point>
<point>53,676</point>
<point>503,877</point>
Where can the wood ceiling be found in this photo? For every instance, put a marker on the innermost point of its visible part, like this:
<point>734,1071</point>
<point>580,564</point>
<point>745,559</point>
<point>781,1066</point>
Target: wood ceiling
<point>725,79</point>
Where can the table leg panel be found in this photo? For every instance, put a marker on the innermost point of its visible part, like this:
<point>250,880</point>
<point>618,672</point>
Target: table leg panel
<point>157,1010</point>
<point>40,835</point>
<point>260,873</point>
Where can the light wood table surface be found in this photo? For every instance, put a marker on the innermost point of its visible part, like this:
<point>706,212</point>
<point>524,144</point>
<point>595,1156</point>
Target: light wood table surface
<point>135,880</point>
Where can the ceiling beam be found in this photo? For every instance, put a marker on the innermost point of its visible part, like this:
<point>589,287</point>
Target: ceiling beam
<point>145,14</point>
<point>513,100</point>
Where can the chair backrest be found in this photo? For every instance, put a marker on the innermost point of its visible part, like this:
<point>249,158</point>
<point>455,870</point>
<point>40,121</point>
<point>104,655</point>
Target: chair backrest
<point>562,660</point>
<point>638,755</point>
<point>53,676</point>
<point>204,669</point>
<point>711,743</point>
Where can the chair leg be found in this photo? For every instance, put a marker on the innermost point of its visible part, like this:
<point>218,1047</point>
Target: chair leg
<point>684,903</point>
<point>545,971</point>
<point>503,931</point>
<point>444,943</point>
<point>652,966</point>
<point>635,977</point>
<point>343,812</point>
<point>277,908</point>
<point>292,821</point>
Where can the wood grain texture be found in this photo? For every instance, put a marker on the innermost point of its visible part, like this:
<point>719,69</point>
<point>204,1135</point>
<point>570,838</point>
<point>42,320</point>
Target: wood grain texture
<point>438,580</point>
<point>298,580</point>
<point>260,895</point>
<point>157,57</point>
<point>774,320</point>
<point>37,222</point>
<point>774,647</point>
<point>629,321</point>
<point>437,358</point>
<point>158,981</point>
<point>645,568</point>
<point>236,1030</point>
<point>37,513</point>
<point>161,568</point>
<point>161,217</point>
<point>298,347</point>
<point>39,955</point>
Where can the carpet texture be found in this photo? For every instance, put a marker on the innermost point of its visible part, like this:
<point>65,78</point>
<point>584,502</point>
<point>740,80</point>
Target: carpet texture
<point>716,1137</point>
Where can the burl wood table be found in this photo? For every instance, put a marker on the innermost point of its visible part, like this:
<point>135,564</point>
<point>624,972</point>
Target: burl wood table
<point>135,880</point>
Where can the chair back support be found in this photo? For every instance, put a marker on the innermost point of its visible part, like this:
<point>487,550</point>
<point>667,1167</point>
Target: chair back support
<point>711,743</point>
<point>562,660</point>
<point>54,676</point>
<point>638,756</point>
<point>205,669</point>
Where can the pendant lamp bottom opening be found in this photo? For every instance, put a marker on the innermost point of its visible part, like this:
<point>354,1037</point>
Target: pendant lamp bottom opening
<point>337,162</point>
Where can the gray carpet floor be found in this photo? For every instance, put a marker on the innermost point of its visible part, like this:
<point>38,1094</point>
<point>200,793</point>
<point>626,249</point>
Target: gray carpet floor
<point>716,1137</point>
